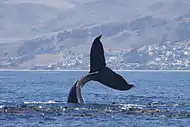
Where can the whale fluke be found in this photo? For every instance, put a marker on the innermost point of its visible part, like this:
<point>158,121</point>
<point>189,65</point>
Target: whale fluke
<point>97,58</point>
<point>98,72</point>
<point>111,79</point>
<point>105,76</point>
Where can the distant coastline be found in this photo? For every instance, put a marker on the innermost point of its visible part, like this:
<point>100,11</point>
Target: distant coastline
<point>40,70</point>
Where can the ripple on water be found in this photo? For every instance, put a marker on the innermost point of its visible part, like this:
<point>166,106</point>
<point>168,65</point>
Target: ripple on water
<point>94,109</point>
<point>160,99</point>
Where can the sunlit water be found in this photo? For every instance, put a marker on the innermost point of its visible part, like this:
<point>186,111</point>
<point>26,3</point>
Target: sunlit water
<point>40,99</point>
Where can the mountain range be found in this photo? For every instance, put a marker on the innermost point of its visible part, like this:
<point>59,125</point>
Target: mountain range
<point>34,32</point>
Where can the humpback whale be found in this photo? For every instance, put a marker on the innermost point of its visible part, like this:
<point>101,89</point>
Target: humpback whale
<point>98,72</point>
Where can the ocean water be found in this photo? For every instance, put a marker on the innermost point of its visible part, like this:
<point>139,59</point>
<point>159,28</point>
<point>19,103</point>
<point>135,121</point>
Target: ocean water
<point>159,99</point>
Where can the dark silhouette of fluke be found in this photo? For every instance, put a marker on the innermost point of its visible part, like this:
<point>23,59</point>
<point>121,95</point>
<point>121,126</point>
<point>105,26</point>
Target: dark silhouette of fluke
<point>98,72</point>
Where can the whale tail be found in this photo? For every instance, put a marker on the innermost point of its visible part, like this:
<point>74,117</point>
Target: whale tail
<point>105,76</point>
<point>98,72</point>
<point>75,95</point>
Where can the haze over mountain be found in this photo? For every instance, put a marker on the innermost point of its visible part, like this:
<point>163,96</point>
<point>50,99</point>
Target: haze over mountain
<point>40,29</point>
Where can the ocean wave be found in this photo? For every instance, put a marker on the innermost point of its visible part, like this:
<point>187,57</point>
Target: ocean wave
<point>41,102</point>
<point>2,106</point>
<point>6,101</point>
<point>131,106</point>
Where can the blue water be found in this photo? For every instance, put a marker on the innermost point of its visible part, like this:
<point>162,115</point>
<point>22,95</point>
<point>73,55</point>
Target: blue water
<point>40,99</point>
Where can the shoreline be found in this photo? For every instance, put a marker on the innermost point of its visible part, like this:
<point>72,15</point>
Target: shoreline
<point>72,70</point>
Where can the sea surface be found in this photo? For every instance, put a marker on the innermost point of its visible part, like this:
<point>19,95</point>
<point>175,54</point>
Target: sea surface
<point>39,98</point>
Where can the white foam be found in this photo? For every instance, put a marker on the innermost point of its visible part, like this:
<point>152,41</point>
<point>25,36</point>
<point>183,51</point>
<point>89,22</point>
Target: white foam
<point>1,106</point>
<point>5,101</point>
<point>40,102</point>
<point>128,106</point>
